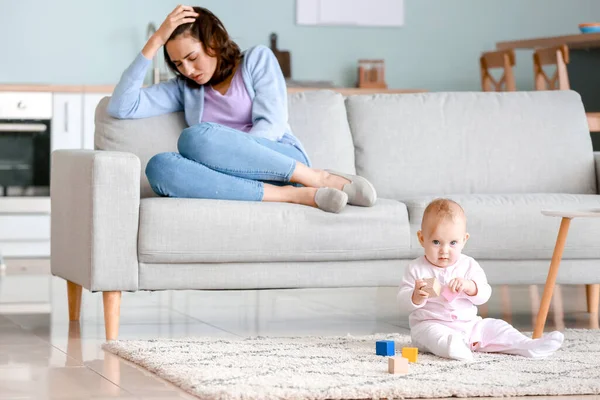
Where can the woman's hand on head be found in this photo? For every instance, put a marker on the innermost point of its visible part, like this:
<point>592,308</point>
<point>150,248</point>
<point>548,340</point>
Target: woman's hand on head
<point>180,15</point>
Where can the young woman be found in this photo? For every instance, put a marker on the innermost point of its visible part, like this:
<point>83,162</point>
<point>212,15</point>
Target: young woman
<point>239,145</point>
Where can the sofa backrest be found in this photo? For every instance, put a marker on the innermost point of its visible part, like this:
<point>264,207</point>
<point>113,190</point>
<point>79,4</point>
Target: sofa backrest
<point>317,118</point>
<point>412,145</point>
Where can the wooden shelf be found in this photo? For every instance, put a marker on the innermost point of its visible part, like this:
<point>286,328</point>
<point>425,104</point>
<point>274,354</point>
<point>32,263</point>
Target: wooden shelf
<point>353,91</point>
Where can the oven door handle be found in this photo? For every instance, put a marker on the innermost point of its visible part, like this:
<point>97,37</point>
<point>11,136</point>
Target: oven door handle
<point>22,128</point>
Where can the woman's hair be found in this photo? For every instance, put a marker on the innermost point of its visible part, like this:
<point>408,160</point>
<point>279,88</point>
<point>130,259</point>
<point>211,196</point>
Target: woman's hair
<point>213,36</point>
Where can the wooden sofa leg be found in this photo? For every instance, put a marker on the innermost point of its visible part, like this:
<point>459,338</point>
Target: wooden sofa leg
<point>112,311</point>
<point>592,293</point>
<point>74,298</point>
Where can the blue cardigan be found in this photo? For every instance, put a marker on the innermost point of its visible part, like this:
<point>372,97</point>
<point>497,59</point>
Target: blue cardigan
<point>262,77</point>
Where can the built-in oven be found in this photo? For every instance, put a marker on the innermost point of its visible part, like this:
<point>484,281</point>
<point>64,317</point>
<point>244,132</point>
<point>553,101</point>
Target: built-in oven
<point>25,122</point>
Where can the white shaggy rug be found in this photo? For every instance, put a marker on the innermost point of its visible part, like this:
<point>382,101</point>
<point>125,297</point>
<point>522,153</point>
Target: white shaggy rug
<point>347,368</point>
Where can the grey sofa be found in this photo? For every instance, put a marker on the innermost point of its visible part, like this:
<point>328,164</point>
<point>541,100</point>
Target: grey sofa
<point>503,156</point>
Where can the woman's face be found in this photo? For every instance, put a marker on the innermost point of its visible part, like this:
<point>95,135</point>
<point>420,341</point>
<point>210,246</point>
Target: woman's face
<point>190,58</point>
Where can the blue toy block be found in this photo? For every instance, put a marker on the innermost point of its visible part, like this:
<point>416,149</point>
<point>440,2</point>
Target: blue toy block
<point>385,348</point>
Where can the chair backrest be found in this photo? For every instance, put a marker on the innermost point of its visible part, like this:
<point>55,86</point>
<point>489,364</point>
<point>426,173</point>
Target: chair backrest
<point>557,56</point>
<point>504,59</point>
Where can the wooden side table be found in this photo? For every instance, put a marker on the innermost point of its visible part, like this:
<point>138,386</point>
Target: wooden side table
<point>592,294</point>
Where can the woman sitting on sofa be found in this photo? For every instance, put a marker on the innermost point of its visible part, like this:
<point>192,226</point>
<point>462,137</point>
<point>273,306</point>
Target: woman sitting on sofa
<point>239,145</point>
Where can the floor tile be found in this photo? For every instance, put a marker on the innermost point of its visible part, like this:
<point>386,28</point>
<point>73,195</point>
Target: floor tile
<point>66,382</point>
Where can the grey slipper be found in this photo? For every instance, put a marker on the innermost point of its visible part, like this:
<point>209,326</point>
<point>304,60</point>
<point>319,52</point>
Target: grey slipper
<point>360,191</point>
<point>331,200</point>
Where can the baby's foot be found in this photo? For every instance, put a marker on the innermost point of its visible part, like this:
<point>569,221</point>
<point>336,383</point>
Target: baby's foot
<point>458,349</point>
<point>546,345</point>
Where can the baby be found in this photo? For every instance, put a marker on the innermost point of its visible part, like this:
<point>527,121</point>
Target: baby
<point>452,329</point>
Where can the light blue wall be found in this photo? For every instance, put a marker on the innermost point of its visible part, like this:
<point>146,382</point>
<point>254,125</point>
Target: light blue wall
<point>91,42</point>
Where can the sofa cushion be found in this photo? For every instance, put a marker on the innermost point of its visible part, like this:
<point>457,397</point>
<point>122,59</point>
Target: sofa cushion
<point>512,227</point>
<point>443,143</point>
<point>318,119</point>
<point>214,231</point>
<point>143,137</point>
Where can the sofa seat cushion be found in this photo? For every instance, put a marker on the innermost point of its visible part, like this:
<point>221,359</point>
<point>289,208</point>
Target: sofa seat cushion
<point>512,227</point>
<point>214,231</point>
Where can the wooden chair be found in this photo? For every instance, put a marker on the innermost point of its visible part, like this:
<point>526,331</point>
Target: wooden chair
<point>504,59</point>
<point>559,57</point>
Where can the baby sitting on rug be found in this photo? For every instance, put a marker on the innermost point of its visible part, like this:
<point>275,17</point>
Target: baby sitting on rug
<point>452,329</point>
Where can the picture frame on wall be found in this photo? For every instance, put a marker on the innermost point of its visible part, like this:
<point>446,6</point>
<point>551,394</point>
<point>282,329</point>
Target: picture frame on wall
<point>377,13</point>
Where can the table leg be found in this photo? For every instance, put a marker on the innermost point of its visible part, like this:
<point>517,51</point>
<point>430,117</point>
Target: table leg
<point>551,279</point>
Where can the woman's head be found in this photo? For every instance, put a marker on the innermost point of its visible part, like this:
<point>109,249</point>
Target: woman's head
<point>202,52</point>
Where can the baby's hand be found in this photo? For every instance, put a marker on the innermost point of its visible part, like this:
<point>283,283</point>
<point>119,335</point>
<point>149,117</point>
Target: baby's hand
<point>419,296</point>
<point>458,285</point>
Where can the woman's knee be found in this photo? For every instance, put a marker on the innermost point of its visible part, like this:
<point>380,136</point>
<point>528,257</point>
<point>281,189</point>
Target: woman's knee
<point>195,138</point>
<point>158,167</point>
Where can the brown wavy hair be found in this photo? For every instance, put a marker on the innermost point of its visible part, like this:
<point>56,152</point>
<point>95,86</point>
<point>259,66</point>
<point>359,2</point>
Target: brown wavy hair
<point>213,36</point>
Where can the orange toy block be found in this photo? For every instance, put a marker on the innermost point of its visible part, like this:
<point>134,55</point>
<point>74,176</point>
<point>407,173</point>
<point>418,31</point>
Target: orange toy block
<point>433,287</point>
<point>397,365</point>
<point>410,353</point>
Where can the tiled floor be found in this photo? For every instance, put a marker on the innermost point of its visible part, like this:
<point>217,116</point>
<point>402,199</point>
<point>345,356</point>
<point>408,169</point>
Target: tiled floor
<point>43,356</point>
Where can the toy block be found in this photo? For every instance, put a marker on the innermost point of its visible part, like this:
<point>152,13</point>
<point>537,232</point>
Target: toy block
<point>410,353</point>
<point>385,348</point>
<point>433,287</point>
<point>448,294</point>
<point>397,365</point>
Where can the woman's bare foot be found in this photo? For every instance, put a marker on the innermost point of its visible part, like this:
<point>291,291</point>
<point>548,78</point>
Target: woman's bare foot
<point>326,199</point>
<point>290,194</point>
<point>334,181</point>
<point>317,178</point>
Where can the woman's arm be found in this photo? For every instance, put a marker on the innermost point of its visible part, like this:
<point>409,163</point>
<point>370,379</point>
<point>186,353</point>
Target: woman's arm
<point>129,99</point>
<point>269,108</point>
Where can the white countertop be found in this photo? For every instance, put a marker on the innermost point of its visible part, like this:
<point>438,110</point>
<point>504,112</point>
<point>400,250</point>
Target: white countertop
<point>24,205</point>
<point>57,88</point>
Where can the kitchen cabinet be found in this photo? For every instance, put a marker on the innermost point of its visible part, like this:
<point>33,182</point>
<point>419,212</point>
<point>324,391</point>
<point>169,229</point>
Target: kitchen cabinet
<point>90,102</point>
<point>66,121</point>
<point>25,235</point>
<point>73,120</point>
<point>25,229</point>
<point>26,293</point>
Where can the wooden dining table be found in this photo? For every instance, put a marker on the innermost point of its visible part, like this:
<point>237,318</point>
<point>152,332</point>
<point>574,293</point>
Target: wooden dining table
<point>577,41</point>
<point>583,68</point>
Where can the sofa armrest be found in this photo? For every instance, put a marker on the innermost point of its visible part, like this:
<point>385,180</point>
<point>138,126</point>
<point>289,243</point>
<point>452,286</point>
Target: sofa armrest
<point>95,199</point>
<point>597,162</point>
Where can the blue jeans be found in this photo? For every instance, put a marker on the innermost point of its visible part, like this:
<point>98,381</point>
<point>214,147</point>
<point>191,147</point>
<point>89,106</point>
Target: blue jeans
<point>218,162</point>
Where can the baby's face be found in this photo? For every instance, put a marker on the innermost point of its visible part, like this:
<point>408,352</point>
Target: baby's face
<point>443,243</point>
